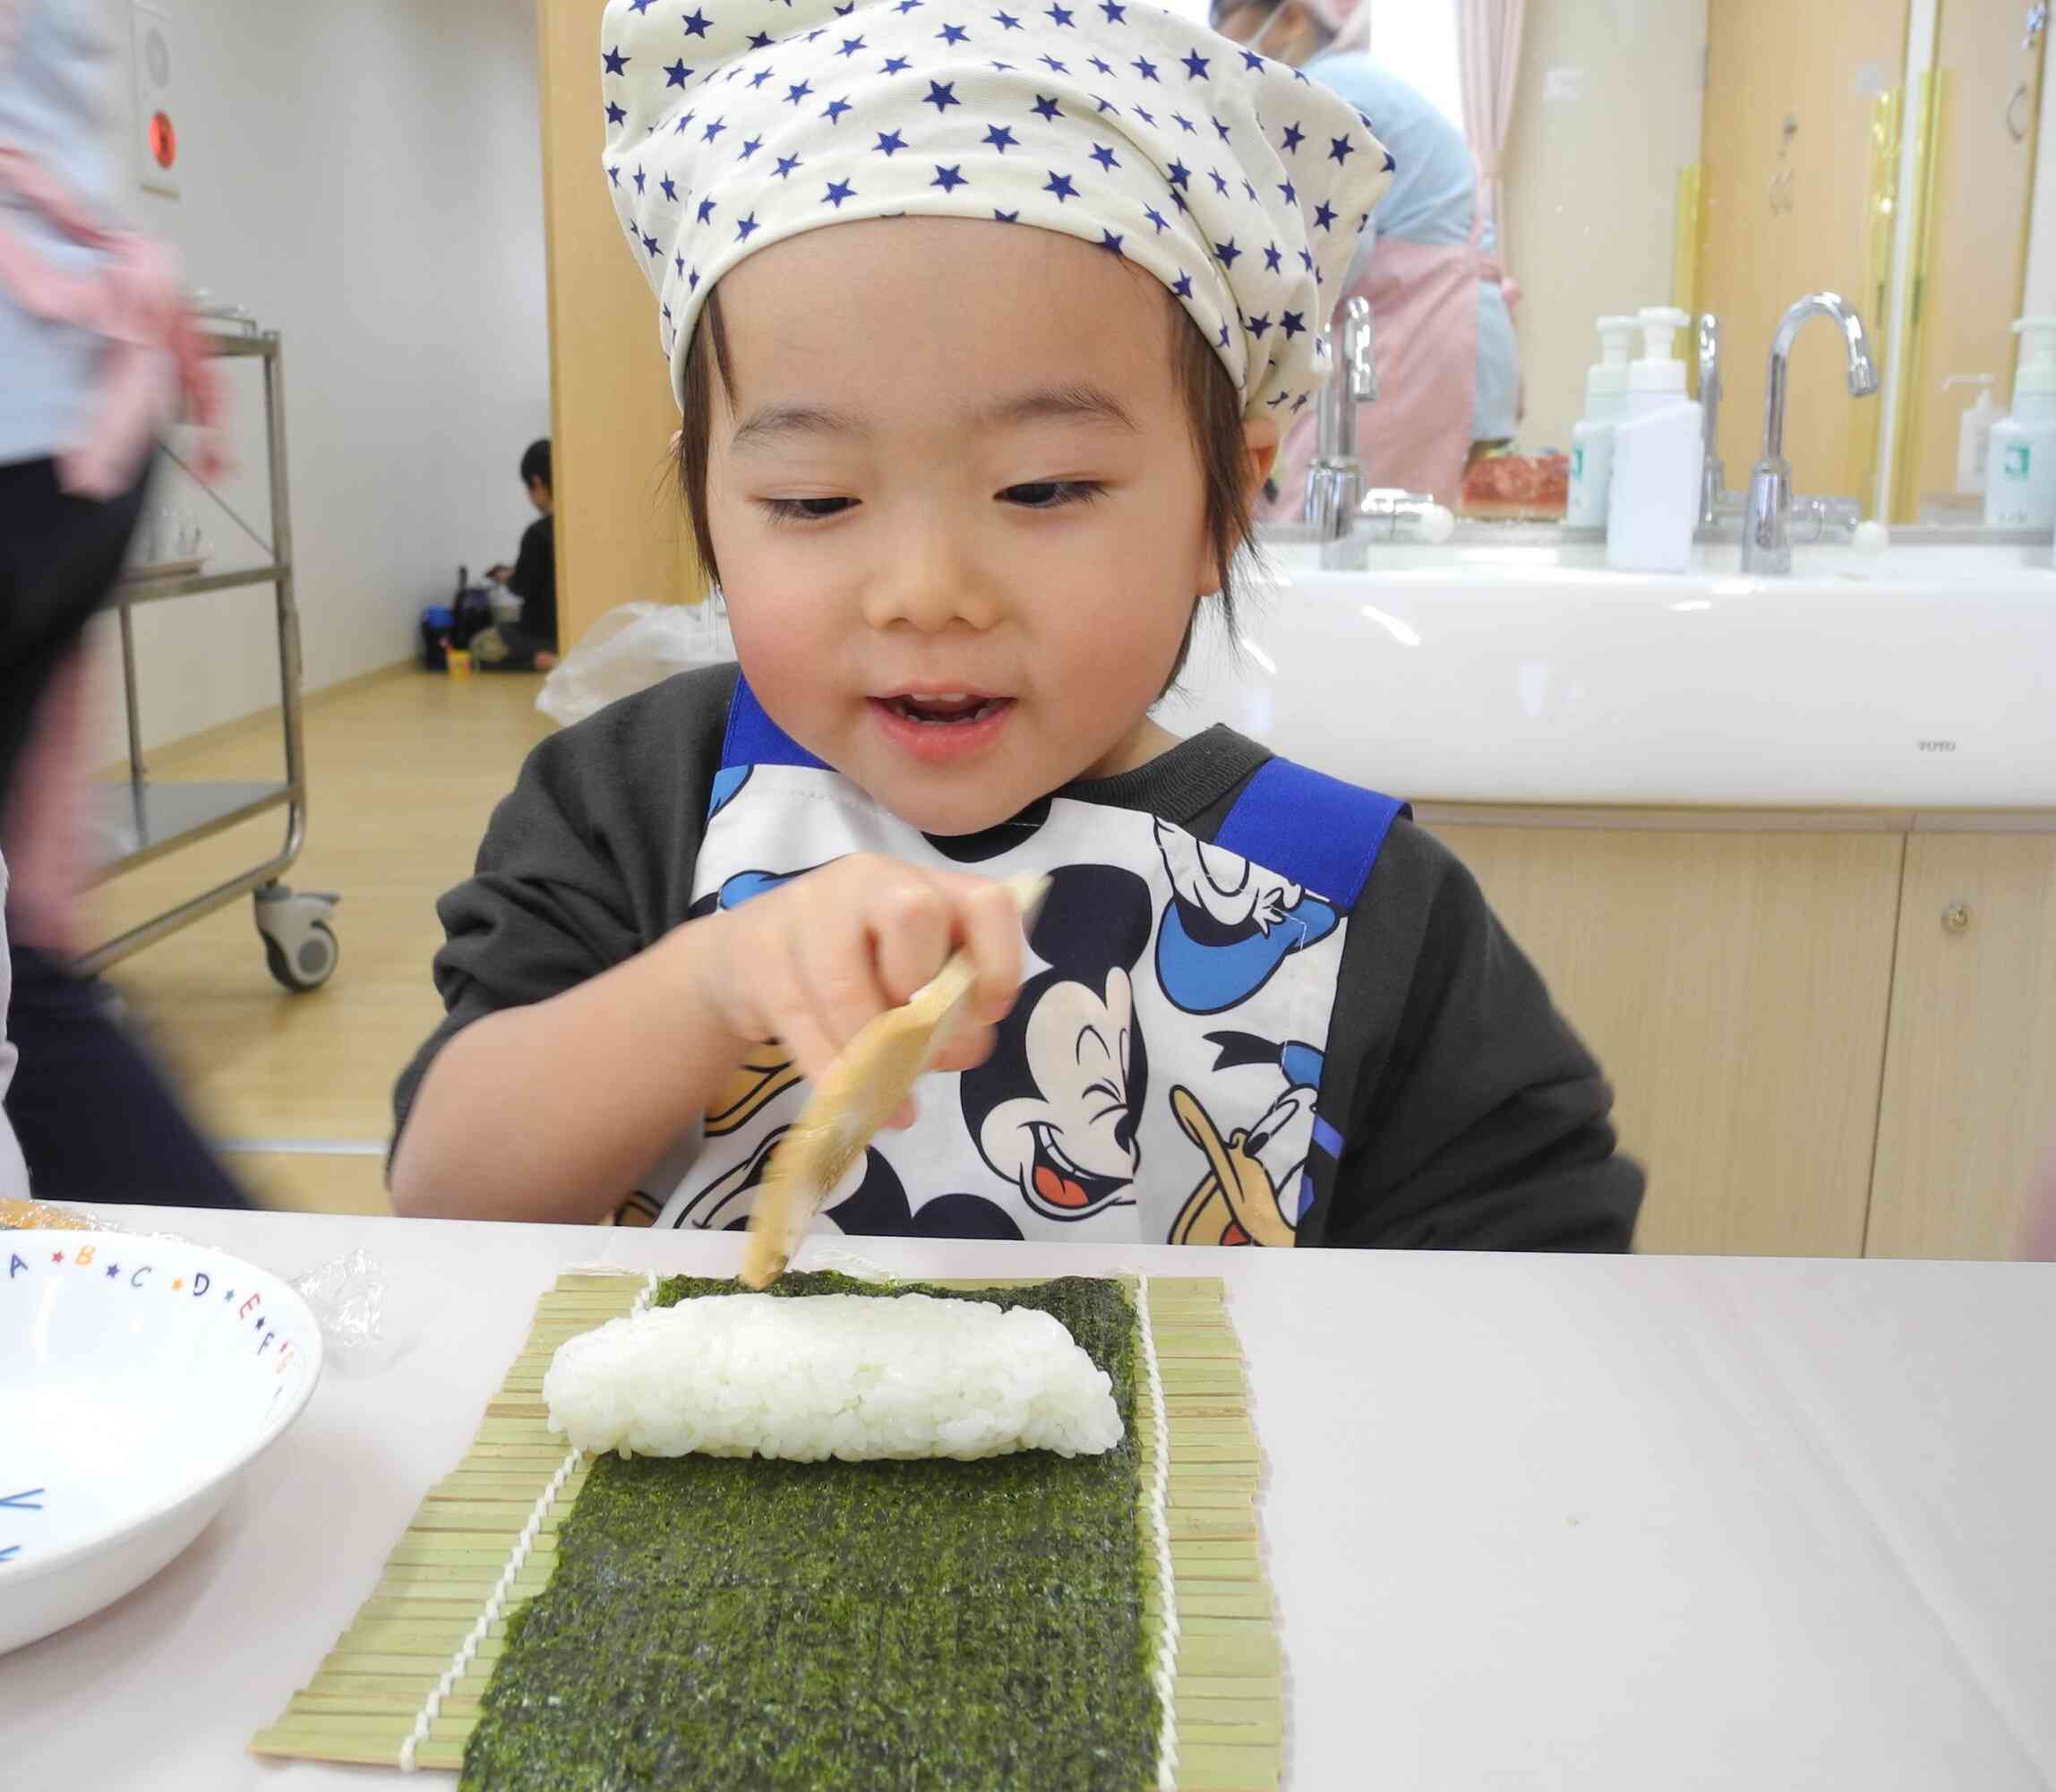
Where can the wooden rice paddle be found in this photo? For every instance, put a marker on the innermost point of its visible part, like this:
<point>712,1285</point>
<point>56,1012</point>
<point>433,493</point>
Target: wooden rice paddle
<point>874,1075</point>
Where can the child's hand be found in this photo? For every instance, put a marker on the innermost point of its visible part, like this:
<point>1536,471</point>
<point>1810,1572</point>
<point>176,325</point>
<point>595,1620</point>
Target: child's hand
<point>810,962</point>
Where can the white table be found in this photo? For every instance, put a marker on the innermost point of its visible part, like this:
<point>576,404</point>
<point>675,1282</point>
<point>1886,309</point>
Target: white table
<point>1532,1522</point>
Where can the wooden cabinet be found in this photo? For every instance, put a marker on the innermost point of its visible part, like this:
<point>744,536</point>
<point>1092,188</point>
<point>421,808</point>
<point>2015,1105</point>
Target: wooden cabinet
<point>1969,1102</point>
<point>1734,987</point>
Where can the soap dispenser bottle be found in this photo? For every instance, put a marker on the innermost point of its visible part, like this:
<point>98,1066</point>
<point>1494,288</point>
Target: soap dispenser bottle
<point>1592,441</point>
<point>1652,507</point>
<point>1974,433</point>
<point>2020,471</point>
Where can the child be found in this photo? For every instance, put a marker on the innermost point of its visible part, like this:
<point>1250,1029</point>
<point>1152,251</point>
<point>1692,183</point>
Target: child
<point>530,644</point>
<point>965,470</point>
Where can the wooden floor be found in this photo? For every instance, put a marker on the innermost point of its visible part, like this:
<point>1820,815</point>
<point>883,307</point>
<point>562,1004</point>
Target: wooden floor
<point>404,769</point>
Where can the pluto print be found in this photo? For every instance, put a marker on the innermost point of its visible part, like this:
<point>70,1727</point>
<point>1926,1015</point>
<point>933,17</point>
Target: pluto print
<point>1159,1078</point>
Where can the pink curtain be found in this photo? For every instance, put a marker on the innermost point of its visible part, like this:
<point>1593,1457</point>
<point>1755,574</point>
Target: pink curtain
<point>1488,61</point>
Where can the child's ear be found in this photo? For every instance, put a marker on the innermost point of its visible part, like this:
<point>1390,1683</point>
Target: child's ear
<point>1260,452</point>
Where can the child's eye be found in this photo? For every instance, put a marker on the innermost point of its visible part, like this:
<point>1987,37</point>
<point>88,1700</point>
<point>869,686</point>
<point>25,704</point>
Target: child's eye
<point>805,509</point>
<point>1050,494</point>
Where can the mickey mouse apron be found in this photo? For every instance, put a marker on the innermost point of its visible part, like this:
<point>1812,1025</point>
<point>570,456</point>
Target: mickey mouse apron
<point>1159,1078</point>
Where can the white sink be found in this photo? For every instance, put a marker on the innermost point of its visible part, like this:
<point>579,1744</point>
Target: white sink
<point>1923,677</point>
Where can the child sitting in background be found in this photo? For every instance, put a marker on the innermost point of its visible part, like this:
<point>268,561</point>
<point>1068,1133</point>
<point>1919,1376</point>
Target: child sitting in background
<point>983,333</point>
<point>530,644</point>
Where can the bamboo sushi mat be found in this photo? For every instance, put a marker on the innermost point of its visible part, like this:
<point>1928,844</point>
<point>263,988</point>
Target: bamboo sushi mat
<point>368,1698</point>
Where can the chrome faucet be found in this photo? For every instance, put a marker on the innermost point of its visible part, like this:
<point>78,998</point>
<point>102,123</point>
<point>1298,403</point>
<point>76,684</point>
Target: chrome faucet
<point>1335,481</point>
<point>1713,475</point>
<point>1766,523</point>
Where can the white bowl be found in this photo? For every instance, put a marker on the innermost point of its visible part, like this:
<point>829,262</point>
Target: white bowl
<point>138,1378</point>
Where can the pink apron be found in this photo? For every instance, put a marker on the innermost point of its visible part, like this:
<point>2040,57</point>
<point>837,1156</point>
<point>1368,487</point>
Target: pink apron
<point>1416,435</point>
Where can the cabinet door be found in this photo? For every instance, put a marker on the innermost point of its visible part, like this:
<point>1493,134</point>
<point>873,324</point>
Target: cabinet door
<point>1970,1072</point>
<point>1733,986</point>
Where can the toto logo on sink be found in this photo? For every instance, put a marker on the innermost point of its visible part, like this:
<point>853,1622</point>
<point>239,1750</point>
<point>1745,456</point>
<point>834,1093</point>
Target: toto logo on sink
<point>1935,746</point>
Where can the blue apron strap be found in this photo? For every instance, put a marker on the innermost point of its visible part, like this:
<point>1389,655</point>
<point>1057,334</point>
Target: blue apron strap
<point>754,738</point>
<point>1314,829</point>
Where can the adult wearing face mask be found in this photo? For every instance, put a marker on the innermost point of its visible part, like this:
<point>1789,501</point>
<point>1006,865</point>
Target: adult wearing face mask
<point>1449,371</point>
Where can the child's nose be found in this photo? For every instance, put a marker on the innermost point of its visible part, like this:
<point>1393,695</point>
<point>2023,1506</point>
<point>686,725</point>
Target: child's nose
<point>932,585</point>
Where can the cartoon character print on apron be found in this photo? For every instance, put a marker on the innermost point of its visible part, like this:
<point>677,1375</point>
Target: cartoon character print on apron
<point>1160,1075</point>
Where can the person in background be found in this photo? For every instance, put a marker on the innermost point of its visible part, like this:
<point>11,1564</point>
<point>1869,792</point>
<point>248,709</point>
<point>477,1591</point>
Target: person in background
<point>1449,371</point>
<point>97,355</point>
<point>529,645</point>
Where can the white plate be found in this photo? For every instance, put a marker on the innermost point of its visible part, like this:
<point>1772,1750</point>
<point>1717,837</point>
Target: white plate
<point>138,1376</point>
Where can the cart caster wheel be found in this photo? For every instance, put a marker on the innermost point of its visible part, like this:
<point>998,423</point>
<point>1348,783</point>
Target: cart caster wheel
<point>299,944</point>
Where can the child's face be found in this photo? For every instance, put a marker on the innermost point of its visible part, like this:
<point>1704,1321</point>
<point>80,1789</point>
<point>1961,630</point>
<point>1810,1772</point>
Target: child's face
<point>895,549</point>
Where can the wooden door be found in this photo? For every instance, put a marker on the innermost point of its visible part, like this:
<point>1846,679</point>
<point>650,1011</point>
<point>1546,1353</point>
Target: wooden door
<point>622,536</point>
<point>1824,65</point>
<point>1986,89</point>
<point>1969,1103</point>
<point>1733,987</point>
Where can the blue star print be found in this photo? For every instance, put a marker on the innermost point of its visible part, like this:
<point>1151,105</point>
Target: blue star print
<point>833,112</point>
<point>1294,137</point>
<point>1103,67</point>
<point>888,142</point>
<point>1116,13</point>
<point>894,64</point>
<point>1185,124</point>
<point>851,46</point>
<point>786,164</point>
<point>759,77</point>
<point>1000,216</point>
<point>1007,20</point>
<point>1220,185</point>
<point>1144,67</point>
<point>1059,184</point>
<point>1291,322</point>
<point>614,176</point>
<point>640,179</point>
<point>759,41</point>
<point>1001,138</point>
<point>743,227</point>
<point>750,145</point>
<point>616,63</point>
<point>1291,197</point>
<point>1181,176</point>
<point>1195,67</point>
<point>1340,150</point>
<point>677,72</point>
<point>1271,262</point>
<point>1258,325</point>
<point>1228,251</point>
<point>615,113</point>
<point>695,24</point>
<point>1057,15</point>
<point>714,127</point>
<point>1045,105</point>
<point>1054,66</point>
<point>1182,285</point>
<point>798,91</point>
<point>1157,219</point>
<point>950,178</point>
<point>1105,157</point>
<point>838,191</point>
<point>942,96</point>
<point>1325,215</point>
<point>706,210</point>
<point>953,34</point>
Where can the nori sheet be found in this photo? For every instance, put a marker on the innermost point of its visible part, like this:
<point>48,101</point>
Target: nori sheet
<point>733,1622</point>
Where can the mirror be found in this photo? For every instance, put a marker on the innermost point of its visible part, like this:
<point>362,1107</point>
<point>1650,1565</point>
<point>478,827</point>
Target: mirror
<point>1724,157</point>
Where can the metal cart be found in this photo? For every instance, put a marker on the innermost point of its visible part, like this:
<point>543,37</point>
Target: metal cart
<point>141,821</point>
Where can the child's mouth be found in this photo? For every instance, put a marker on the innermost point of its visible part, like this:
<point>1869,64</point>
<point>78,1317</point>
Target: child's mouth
<point>946,709</point>
<point>942,727</point>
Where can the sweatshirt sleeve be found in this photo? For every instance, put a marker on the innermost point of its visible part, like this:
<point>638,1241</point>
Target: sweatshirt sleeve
<point>588,860</point>
<point>1478,1120</point>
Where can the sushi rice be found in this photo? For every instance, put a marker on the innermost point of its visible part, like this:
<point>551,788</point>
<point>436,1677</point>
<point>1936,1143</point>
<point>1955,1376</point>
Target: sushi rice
<point>856,1377</point>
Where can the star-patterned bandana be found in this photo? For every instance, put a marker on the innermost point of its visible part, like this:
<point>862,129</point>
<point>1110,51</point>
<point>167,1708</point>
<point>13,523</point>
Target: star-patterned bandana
<point>1233,179</point>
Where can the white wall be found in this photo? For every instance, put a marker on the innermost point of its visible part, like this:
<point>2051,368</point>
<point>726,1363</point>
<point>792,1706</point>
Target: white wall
<point>366,179</point>
<point>1605,114</point>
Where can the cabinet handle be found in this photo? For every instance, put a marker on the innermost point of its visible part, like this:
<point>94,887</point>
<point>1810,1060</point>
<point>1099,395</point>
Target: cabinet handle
<point>1955,917</point>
